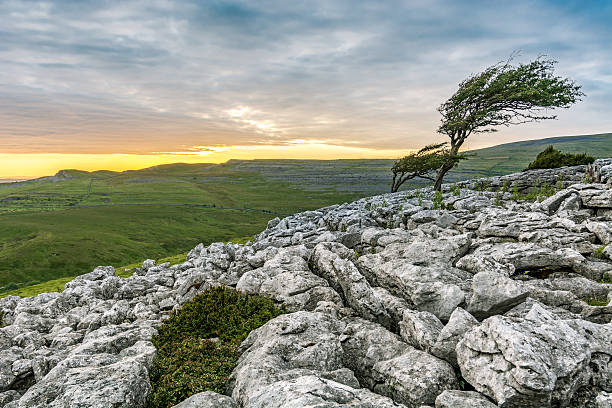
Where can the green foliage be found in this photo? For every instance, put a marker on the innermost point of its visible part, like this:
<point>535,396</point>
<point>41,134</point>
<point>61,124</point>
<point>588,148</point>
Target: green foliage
<point>532,195</point>
<point>419,196</point>
<point>422,163</point>
<point>515,192</point>
<point>559,184</point>
<point>503,95</point>
<point>438,201</point>
<point>552,158</point>
<point>455,190</point>
<point>536,193</point>
<point>498,199</point>
<point>505,186</point>
<point>196,345</point>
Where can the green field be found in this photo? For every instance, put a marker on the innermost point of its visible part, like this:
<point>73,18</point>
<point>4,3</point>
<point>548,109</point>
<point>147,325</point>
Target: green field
<point>64,225</point>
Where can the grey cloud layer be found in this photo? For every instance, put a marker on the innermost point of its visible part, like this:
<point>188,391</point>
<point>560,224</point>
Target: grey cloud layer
<point>136,76</point>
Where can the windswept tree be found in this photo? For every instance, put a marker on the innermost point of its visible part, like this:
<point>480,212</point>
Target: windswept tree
<point>423,164</point>
<point>502,95</point>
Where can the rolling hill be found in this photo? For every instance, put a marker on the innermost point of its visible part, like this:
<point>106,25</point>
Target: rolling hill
<point>64,225</point>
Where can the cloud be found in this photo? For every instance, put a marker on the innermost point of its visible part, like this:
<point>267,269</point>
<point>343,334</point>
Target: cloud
<point>162,76</point>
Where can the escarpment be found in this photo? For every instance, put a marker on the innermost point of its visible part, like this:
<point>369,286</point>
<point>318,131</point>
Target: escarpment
<point>476,297</point>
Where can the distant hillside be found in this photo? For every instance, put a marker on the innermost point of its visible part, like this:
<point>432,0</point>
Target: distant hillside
<point>65,224</point>
<point>512,157</point>
<point>370,177</point>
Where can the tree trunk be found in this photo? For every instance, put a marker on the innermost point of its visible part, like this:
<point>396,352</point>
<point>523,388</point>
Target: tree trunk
<point>394,187</point>
<point>446,167</point>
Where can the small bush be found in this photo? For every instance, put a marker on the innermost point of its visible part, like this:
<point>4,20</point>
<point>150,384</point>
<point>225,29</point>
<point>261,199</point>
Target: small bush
<point>196,345</point>
<point>552,158</point>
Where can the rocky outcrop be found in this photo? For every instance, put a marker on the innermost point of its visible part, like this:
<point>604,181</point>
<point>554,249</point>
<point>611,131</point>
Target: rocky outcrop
<point>536,361</point>
<point>398,300</point>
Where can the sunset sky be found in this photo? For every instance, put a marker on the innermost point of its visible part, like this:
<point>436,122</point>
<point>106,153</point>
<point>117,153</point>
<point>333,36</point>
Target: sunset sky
<point>129,84</point>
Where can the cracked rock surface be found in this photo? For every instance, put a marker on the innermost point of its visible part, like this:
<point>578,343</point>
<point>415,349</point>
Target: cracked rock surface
<point>396,302</point>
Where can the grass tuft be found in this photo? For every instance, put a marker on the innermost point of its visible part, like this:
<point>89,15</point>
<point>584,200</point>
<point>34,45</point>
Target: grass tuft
<point>596,301</point>
<point>599,252</point>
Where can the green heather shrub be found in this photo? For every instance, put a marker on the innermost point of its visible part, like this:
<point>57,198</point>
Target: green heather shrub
<point>552,158</point>
<point>196,345</point>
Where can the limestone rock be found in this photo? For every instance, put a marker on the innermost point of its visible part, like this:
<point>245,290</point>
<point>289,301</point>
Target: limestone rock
<point>346,279</point>
<point>391,367</point>
<point>493,293</point>
<point>463,399</point>
<point>380,288</point>
<point>536,361</point>
<point>207,399</point>
<point>420,329</point>
<point>603,231</point>
<point>459,323</point>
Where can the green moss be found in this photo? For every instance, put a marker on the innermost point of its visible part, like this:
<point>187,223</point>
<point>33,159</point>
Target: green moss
<point>594,301</point>
<point>196,346</point>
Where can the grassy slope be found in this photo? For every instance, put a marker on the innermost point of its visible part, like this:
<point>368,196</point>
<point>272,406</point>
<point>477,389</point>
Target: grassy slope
<point>63,226</point>
<point>513,157</point>
<point>58,228</point>
<point>370,177</point>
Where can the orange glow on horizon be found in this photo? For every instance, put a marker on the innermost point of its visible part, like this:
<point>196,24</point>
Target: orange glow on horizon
<point>32,165</point>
